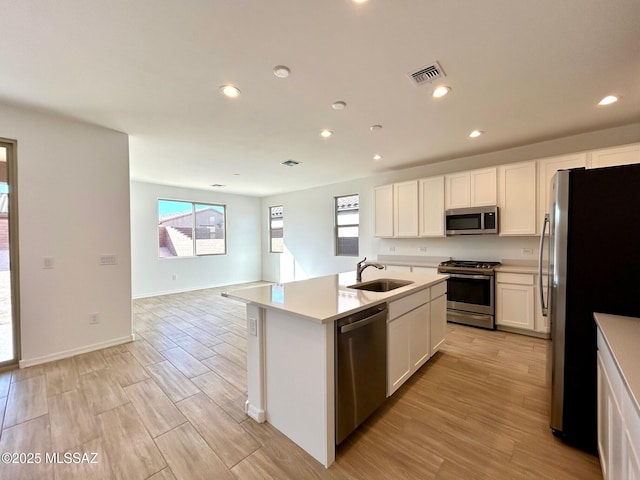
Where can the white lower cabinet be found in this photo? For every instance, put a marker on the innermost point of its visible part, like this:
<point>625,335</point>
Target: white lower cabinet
<point>618,421</point>
<point>398,353</point>
<point>419,336</point>
<point>438,319</point>
<point>416,328</point>
<point>514,300</point>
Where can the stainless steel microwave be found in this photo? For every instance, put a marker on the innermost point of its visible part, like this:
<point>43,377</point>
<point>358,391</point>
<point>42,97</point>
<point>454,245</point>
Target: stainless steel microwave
<point>472,221</point>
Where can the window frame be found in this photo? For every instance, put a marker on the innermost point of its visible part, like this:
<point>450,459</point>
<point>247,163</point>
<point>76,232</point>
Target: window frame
<point>337,227</point>
<point>271,229</point>
<point>194,204</point>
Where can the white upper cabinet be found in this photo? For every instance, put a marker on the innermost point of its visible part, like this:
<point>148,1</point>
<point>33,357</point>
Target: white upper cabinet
<point>547,167</point>
<point>609,157</point>
<point>431,207</point>
<point>483,187</point>
<point>458,190</point>
<point>405,209</point>
<point>517,198</point>
<point>476,188</point>
<point>383,211</point>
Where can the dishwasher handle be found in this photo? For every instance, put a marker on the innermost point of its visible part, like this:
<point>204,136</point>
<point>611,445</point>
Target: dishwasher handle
<point>364,322</point>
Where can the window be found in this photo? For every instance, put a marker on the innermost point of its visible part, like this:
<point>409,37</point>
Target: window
<point>347,225</point>
<point>276,228</point>
<point>186,229</point>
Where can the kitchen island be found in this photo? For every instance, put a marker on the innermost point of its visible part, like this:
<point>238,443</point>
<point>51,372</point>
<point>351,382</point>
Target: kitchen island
<point>291,346</point>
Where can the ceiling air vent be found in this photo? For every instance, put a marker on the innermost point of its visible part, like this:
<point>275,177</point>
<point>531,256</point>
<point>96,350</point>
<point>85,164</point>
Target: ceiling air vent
<point>290,163</point>
<point>426,74</point>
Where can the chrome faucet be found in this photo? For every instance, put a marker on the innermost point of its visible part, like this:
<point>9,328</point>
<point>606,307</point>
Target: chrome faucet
<point>364,264</point>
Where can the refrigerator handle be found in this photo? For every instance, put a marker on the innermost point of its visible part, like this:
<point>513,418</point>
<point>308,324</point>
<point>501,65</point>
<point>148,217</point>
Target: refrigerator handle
<point>540,255</point>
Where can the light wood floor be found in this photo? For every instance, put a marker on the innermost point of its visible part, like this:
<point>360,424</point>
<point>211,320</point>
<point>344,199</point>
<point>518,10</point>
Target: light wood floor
<point>170,405</point>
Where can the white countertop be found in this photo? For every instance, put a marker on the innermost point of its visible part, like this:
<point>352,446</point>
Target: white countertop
<point>325,299</point>
<point>622,335</point>
<point>411,261</point>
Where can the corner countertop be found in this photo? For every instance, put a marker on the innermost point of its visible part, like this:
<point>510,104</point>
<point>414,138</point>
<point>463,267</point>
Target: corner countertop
<point>622,335</point>
<point>518,266</point>
<point>326,299</point>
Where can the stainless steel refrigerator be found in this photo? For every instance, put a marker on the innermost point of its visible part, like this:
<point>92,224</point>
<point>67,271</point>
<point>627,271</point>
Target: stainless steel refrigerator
<point>593,266</point>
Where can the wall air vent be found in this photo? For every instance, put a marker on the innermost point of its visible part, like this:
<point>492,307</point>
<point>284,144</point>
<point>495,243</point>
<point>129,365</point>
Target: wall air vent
<point>290,163</point>
<point>426,74</point>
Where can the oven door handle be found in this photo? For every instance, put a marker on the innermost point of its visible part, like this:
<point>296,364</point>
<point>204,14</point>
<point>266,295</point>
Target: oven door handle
<point>473,277</point>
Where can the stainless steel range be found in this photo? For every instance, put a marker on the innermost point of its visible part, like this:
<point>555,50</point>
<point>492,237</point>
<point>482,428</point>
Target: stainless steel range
<point>470,292</point>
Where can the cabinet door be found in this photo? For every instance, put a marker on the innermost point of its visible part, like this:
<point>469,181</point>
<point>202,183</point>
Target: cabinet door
<point>616,156</point>
<point>438,322</point>
<point>431,207</point>
<point>603,410</point>
<point>420,340</point>
<point>483,187</point>
<point>405,209</point>
<point>458,190</point>
<point>514,305</point>
<point>398,355</point>
<point>517,198</point>
<point>547,168</point>
<point>383,214</point>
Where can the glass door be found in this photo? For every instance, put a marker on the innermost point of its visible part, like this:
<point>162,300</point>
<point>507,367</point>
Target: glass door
<point>9,353</point>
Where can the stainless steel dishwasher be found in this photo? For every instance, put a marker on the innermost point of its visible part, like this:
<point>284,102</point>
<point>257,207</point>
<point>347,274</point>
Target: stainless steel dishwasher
<point>361,367</point>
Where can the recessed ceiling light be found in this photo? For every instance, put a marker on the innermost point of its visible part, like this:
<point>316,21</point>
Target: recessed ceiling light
<point>608,100</point>
<point>373,128</point>
<point>359,1</point>
<point>326,133</point>
<point>339,105</point>
<point>230,91</point>
<point>281,71</point>
<point>377,157</point>
<point>441,91</point>
<point>476,133</point>
<point>290,163</point>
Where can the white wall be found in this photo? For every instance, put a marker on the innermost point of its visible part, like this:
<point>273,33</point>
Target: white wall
<point>152,275</point>
<point>309,221</point>
<point>73,197</point>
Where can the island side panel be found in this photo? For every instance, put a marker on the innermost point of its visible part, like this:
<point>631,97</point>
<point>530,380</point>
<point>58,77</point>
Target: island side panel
<point>299,366</point>
<point>255,405</point>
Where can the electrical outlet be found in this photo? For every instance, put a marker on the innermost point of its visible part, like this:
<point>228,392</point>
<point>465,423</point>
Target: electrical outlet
<point>94,319</point>
<point>423,249</point>
<point>527,251</point>
<point>174,277</point>
<point>253,326</point>
<point>47,262</point>
<point>392,249</point>
<point>108,259</point>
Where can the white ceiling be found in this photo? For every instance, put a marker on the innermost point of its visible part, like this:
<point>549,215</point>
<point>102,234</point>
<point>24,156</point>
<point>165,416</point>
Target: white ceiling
<point>522,71</point>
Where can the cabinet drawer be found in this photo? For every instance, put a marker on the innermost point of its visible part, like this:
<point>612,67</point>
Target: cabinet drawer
<point>408,303</point>
<point>438,290</point>
<point>517,278</point>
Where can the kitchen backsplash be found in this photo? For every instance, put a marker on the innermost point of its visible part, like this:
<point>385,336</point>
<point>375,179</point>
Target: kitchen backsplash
<point>464,247</point>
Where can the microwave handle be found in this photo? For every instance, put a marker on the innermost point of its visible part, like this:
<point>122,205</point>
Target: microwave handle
<point>544,308</point>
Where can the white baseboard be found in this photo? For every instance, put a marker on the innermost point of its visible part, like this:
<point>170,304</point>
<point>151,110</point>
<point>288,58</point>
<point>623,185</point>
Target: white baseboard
<point>29,362</point>
<point>138,296</point>
<point>257,414</point>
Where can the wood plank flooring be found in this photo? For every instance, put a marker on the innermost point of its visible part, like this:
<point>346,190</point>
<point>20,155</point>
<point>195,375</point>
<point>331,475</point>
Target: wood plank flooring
<point>171,406</point>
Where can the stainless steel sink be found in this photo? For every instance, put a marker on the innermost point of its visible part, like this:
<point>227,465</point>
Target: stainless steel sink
<point>381,285</point>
